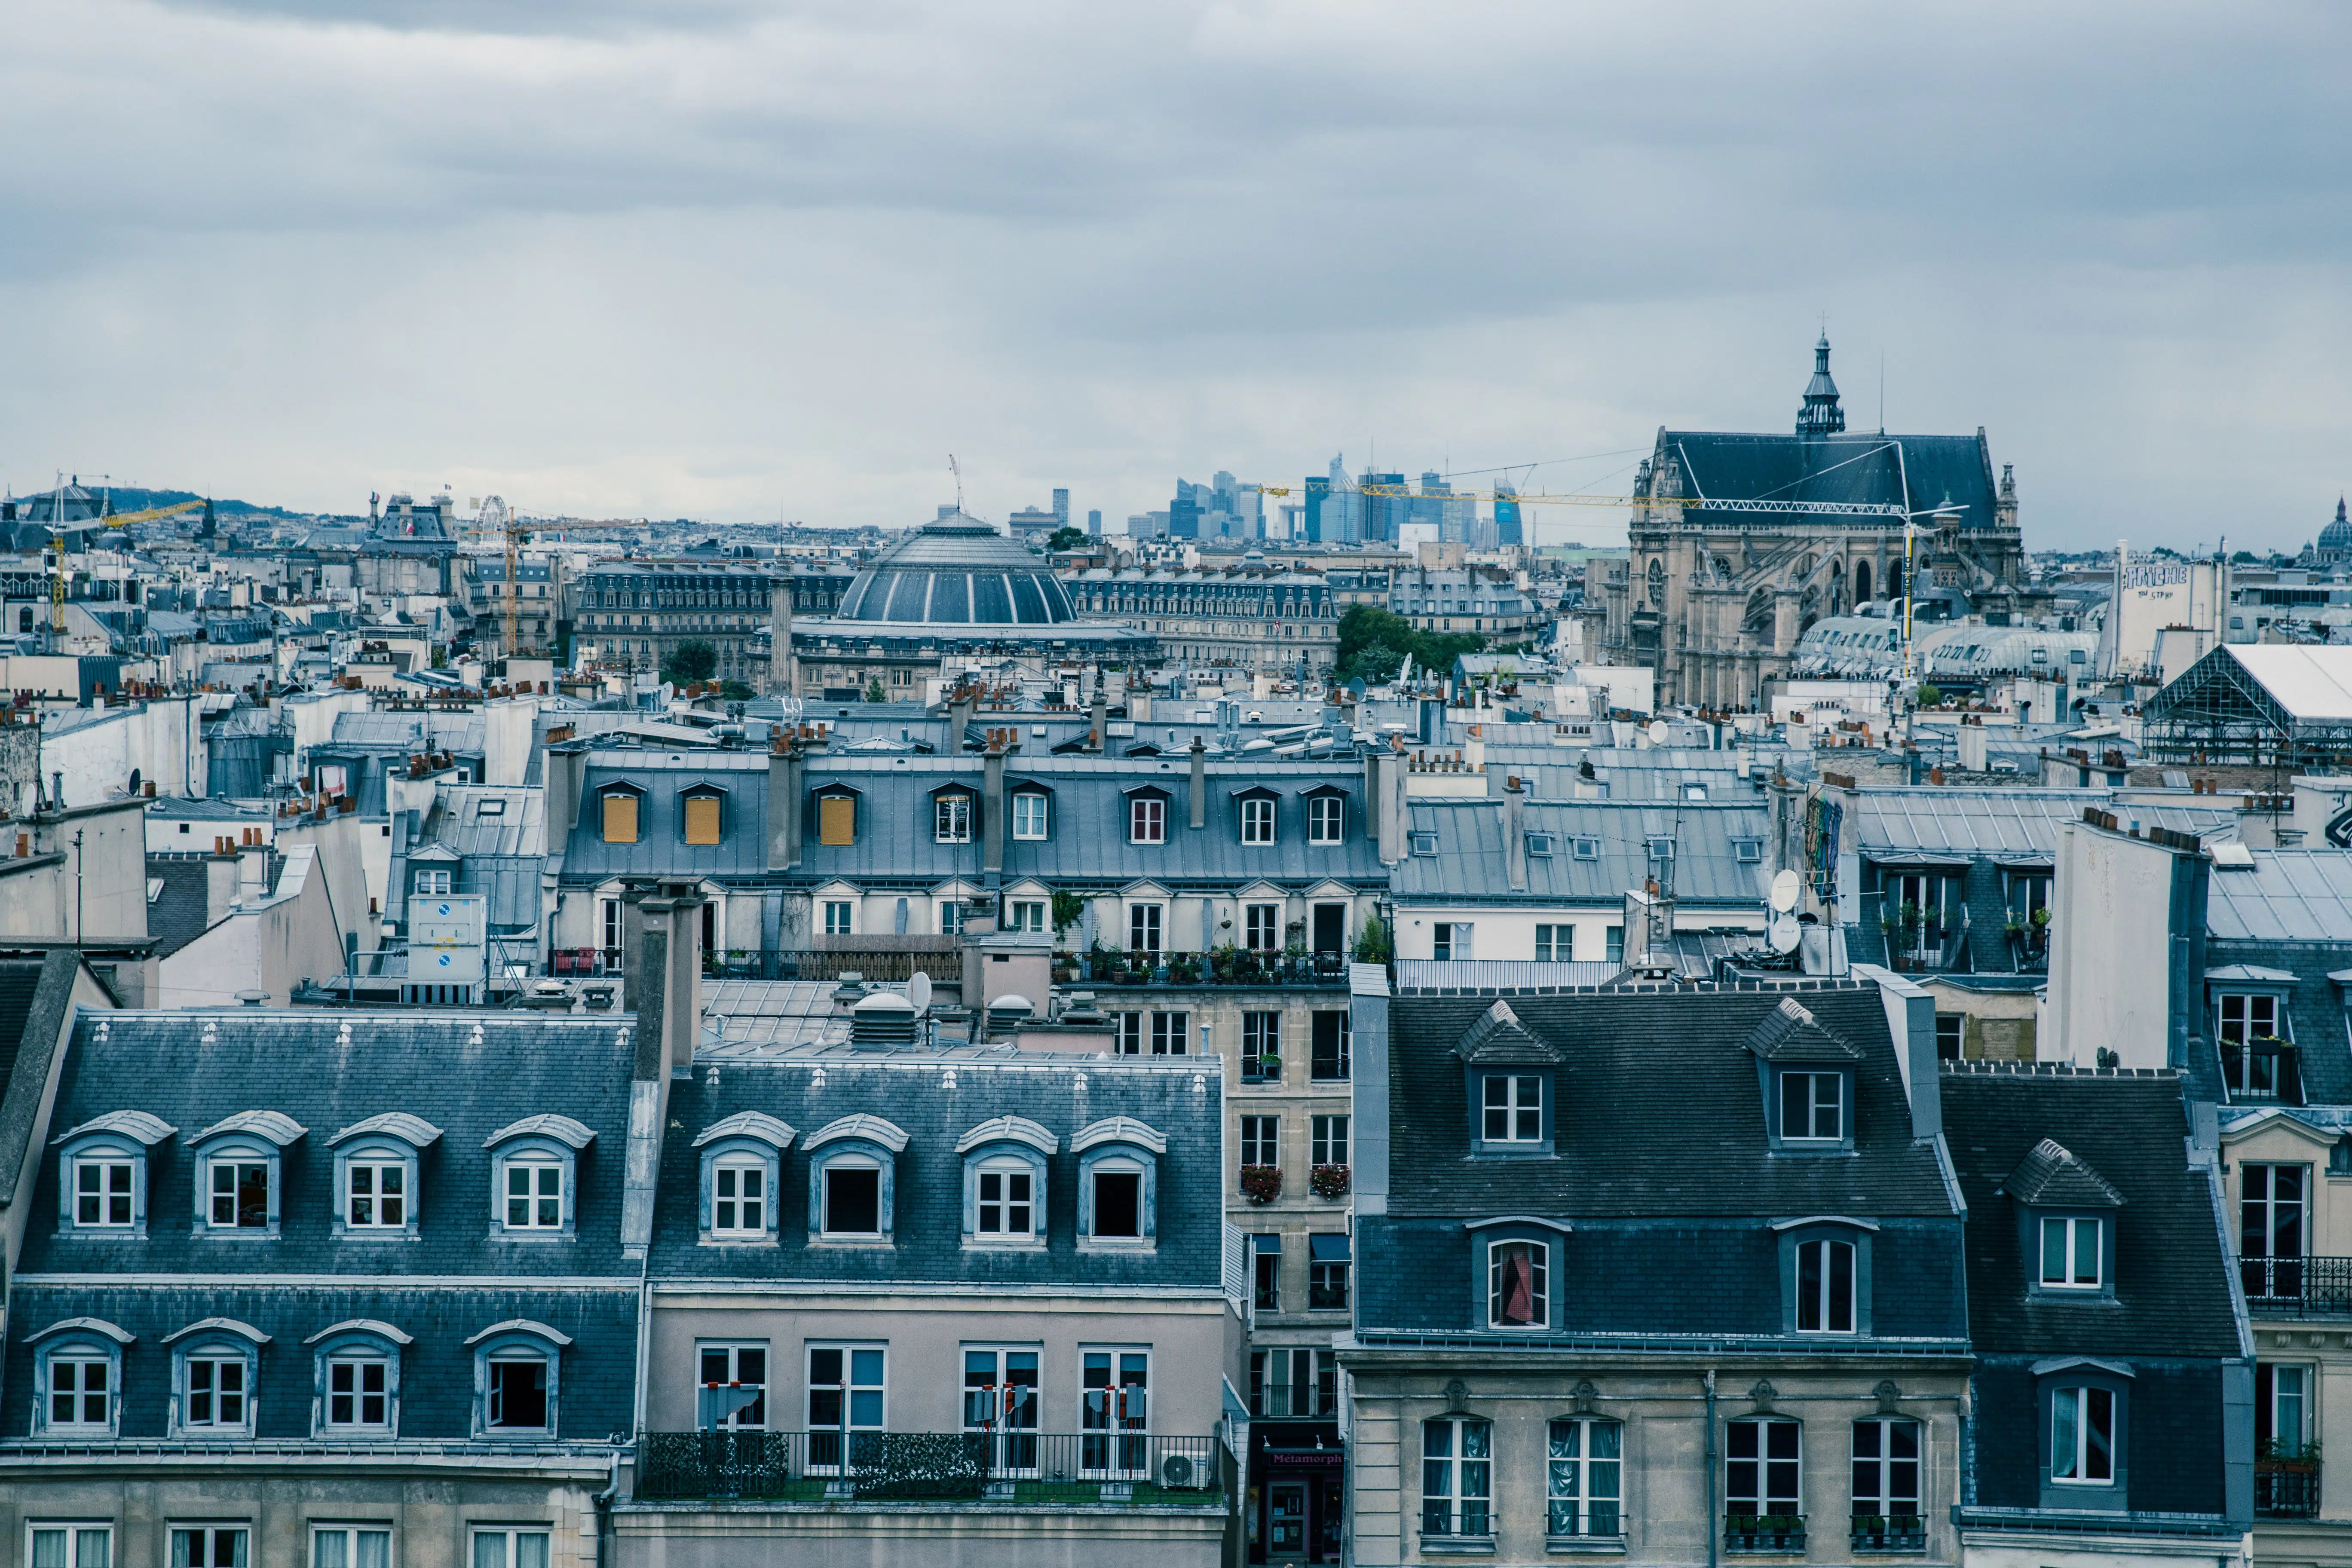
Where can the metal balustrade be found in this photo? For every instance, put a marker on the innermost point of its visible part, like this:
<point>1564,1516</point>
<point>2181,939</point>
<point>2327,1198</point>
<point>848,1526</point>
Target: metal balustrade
<point>1015,1467</point>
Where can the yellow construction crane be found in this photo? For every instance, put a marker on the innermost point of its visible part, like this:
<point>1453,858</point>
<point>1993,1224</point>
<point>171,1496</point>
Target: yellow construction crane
<point>495,518</point>
<point>1543,498</point>
<point>57,546</point>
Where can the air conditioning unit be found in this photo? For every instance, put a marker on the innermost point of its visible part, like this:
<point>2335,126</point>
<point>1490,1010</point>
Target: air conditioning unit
<point>1182,1471</point>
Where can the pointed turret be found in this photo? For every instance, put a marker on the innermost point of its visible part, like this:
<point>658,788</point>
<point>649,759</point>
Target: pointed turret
<point>1820,414</point>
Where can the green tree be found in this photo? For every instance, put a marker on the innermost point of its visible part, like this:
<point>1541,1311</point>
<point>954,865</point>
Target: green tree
<point>1373,643</point>
<point>1931,696</point>
<point>873,692</point>
<point>690,662</point>
<point>1069,909</point>
<point>736,692</point>
<point>1067,539</point>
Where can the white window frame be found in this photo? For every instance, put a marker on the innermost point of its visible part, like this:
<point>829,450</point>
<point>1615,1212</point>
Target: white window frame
<point>1819,1302</point>
<point>187,1532</point>
<point>1328,1140</point>
<point>851,1161</point>
<point>1327,819</point>
<point>1147,927</point>
<point>432,883</point>
<point>534,1196</point>
<point>729,1208</point>
<point>213,1356</point>
<point>1028,914</point>
<point>840,917</point>
<point>77,1533</point>
<point>519,1354</point>
<point>1147,819</point>
<point>1764,1492</point>
<point>1172,1034</point>
<point>2072,1454</point>
<point>2068,1231</point>
<point>376,1166</point>
<point>1010,1420</point>
<point>1120,1164</point>
<point>1457,1502</point>
<point>1005,1170</point>
<point>1883,1466</point>
<point>106,1163</point>
<point>1574,1476</point>
<point>1114,1441</point>
<point>232,1160</point>
<point>1522,1096</point>
<point>1030,813</point>
<point>1538,1282</point>
<point>1257,820</point>
<point>510,1539</point>
<point>356,1362</point>
<point>952,818</point>
<point>109,1394</point>
<point>1261,927</point>
<point>1814,1105</point>
<point>849,1394</point>
<point>348,1538</point>
<point>752,1417</point>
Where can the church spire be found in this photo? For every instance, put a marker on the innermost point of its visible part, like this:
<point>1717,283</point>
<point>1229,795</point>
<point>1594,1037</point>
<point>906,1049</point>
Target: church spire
<point>1820,414</point>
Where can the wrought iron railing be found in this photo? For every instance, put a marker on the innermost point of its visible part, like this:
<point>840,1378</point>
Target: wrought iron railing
<point>1763,1533</point>
<point>1889,1533</point>
<point>2286,1489</point>
<point>2298,1287</point>
<point>1010,1467</point>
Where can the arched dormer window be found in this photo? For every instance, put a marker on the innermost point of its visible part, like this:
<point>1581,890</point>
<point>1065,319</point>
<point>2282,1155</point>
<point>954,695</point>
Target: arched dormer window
<point>515,1382</point>
<point>215,1370</point>
<point>853,1187</point>
<point>534,1177</point>
<point>378,1167</point>
<point>355,1380</point>
<point>743,1169</point>
<point>102,1175</point>
<point>1825,1274</point>
<point>619,807</point>
<point>702,811</point>
<point>240,1168</point>
<point>77,1378</point>
<point>1118,1184</point>
<point>1004,1171</point>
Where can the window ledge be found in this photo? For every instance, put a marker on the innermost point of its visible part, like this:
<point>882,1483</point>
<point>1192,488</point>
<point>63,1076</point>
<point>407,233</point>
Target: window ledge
<point>866,1243</point>
<point>531,1237</point>
<point>1457,1545</point>
<point>1145,1247</point>
<point>978,1244</point>
<point>1586,1545</point>
<point>710,1240</point>
<point>228,1234</point>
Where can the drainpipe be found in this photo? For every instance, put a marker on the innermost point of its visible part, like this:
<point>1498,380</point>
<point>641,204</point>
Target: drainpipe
<point>1714,1540</point>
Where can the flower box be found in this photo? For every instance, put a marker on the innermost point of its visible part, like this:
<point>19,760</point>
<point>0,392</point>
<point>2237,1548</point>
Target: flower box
<point>1261,1183</point>
<point>1327,1180</point>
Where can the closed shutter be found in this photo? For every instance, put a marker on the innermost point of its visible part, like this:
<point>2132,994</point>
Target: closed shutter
<point>702,819</point>
<point>620,818</point>
<point>837,819</point>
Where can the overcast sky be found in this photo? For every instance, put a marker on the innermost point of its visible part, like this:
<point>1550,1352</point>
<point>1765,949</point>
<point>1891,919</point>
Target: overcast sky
<point>735,261</point>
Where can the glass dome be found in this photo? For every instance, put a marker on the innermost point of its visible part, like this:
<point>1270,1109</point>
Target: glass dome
<point>957,574</point>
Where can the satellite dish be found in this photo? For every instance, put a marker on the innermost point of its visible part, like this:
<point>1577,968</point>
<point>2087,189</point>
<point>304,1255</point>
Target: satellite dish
<point>1658,731</point>
<point>1783,934</point>
<point>1785,887</point>
<point>919,991</point>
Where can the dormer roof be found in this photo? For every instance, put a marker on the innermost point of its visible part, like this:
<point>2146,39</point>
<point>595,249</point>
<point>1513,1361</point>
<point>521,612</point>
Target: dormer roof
<point>1499,1040</point>
<point>275,1125</point>
<point>150,1130</point>
<point>563,1129</point>
<point>413,1130</point>
<point>2052,1177</point>
<point>749,1124</point>
<point>1790,1032</point>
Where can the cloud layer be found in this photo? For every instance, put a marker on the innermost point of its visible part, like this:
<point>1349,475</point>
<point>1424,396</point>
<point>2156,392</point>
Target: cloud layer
<point>738,261</point>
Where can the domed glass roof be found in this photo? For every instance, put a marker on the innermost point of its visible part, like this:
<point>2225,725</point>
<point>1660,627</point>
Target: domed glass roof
<point>957,574</point>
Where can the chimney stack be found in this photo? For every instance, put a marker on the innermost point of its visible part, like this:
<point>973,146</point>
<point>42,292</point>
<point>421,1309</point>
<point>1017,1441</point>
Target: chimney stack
<point>1098,738</point>
<point>1390,804</point>
<point>1200,782</point>
<point>992,808</point>
<point>1515,837</point>
<point>783,815</point>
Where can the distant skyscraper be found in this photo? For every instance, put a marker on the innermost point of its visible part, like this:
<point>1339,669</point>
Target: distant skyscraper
<point>1506,516</point>
<point>1094,523</point>
<point>1062,507</point>
<point>1386,509</point>
<point>1184,512</point>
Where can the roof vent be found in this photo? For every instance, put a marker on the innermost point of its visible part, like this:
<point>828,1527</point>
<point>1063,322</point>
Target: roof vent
<point>884,1019</point>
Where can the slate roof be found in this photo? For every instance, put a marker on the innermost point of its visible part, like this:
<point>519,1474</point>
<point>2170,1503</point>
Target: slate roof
<point>1855,466</point>
<point>2172,1283</point>
<point>2050,1174</point>
<point>179,913</point>
<point>18,979</point>
<point>1997,823</point>
<point>1793,1032</point>
<point>1659,1112</point>
<point>895,831</point>
<point>292,1062</point>
<point>2289,895</point>
<point>1471,861</point>
<point>936,1099</point>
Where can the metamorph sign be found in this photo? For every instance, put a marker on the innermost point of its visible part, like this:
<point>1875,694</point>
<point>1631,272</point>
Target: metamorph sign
<point>446,934</point>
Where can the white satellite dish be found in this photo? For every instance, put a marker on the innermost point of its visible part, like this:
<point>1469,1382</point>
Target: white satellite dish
<point>1785,887</point>
<point>1658,731</point>
<point>1784,933</point>
<point>919,991</point>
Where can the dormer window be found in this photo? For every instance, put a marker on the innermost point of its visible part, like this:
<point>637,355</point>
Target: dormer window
<point>702,809</point>
<point>1147,819</point>
<point>1005,1181</point>
<point>377,1165</point>
<point>102,1174</point>
<point>1540,844</point>
<point>1511,1108</point>
<point>1423,843</point>
<point>215,1370</point>
<point>1812,1107</point>
<point>837,817</point>
<point>239,1163</point>
<point>2072,1256</point>
<point>1031,814</point>
<point>1808,1075</point>
<point>2066,1214</point>
<point>1326,818</point>
<point>534,1164</point>
<point>1585,849</point>
<point>618,807</point>
<point>953,816</point>
<point>1256,816</point>
<point>77,1367</point>
<point>1118,1180</point>
<point>2256,1036</point>
<point>357,1380</point>
<point>742,1159</point>
<point>853,1165</point>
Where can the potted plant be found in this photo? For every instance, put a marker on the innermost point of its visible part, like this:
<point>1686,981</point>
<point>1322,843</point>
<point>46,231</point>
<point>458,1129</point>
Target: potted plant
<point>1183,969</point>
<point>1222,961</point>
<point>1373,941</point>
<point>1327,1180</point>
<point>1889,1533</point>
<point>1261,1183</point>
<point>1764,1533</point>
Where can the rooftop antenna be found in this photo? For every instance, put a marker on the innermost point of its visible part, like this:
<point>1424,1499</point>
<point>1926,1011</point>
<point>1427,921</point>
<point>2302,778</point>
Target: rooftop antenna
<point>958,472</point>
<point>1881,392</point>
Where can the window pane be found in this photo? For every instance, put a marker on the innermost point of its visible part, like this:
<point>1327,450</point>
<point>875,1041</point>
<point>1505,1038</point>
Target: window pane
<point>530,1550</point>
<point>48,1549</point>
<point>93,1549</point>
<point>375,1548</point>
<point>489,1549</point>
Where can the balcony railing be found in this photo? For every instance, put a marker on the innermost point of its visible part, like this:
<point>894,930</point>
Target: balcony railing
<point>1003,1467</point>
<point>2298,1287</point>
<point>1763,1533</point>
<point>1889,1533</point>
<point>1227,968</point>
<point>2286,1489</point>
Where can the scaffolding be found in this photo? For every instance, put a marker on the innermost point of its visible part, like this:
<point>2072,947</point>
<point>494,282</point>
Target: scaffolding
<point>2220,712</point>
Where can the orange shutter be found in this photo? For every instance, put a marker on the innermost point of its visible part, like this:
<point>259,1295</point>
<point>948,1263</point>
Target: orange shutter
<point>620,818</point>
<point>702,819</point>
<point>837,819</point>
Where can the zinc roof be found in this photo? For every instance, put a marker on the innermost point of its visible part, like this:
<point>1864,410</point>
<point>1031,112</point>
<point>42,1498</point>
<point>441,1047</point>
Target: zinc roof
<point>2290,895</point>
<point>1997,822</point>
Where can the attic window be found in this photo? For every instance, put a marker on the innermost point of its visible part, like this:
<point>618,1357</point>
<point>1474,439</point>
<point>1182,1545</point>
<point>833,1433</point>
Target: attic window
<point>1662,849</point>
<point>496,806</point>
<point>1748,851</point>
<point>620,807</point>
<point>1424,843</point>
<point>1541,843</point>
<point>701,807</point>
<point>1586,849</point>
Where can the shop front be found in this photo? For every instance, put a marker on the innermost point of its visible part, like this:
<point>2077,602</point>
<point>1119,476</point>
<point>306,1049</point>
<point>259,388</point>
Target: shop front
<point>1297,1502</point>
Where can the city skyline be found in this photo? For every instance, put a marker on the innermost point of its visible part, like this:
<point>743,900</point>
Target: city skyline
<point>708,261</point>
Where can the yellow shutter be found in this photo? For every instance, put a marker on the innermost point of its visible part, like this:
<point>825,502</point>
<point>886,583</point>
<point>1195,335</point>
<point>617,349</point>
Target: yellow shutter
<point>702,819</point>
<point>620,818</point>
<point>837,819</point>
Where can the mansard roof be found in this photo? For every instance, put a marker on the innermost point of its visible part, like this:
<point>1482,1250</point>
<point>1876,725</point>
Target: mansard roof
<point>2050,1176</point>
